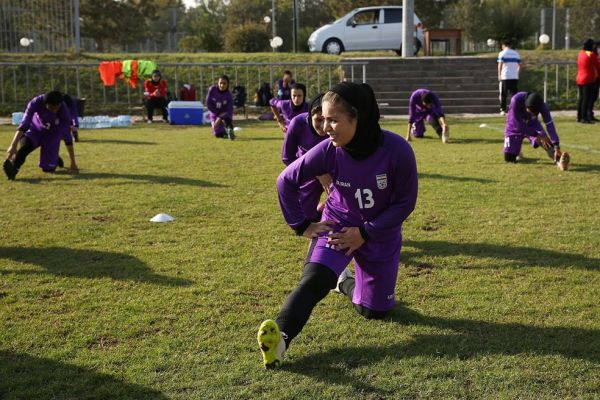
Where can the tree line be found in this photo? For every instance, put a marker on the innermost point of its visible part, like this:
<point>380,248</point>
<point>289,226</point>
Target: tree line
<point>239,25</point>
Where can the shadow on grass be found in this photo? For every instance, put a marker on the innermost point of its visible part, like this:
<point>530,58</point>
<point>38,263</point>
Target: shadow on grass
<point>29,377</point>
<point>517,255</point>
<point>162,179</point>
<point>86,264</point>
<point>116,141</point>
<point>466,340</point>
<point>253,138</point>
<point>498,141</point>
<point>584,167</point>
<point>455,178</point>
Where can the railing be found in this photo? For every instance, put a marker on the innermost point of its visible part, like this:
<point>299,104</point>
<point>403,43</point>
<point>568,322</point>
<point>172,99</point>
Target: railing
<point>563,88</point>
<point>19,82</point>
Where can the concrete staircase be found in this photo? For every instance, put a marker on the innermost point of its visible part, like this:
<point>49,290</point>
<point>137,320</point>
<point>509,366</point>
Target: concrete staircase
<point>464,84</point>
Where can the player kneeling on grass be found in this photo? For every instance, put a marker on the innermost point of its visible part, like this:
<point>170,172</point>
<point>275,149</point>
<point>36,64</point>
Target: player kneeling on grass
<point>522,122</point>
<point>219,102</point>
<point>424,105</point>
<point>45,122</point>
<point>374,190</point>
<point>285,110</point>
<point>304,133</point>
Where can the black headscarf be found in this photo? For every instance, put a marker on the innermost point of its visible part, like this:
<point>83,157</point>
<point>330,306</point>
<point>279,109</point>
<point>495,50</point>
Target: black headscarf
<point>298,86</point>
<point>588,45</point>
<point>315,103</point>
<point>535,102</point>
<point>368,134</point>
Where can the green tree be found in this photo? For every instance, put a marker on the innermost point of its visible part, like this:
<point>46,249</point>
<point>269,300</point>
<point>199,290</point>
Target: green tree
<point>111,22</point>
<point>585,20</point>
<point>247,38</point>
<point>203,26</point>
<point>495,19</point>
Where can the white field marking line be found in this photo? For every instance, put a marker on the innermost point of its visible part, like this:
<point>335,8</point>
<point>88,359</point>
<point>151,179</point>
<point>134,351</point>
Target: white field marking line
<point>575,146</point>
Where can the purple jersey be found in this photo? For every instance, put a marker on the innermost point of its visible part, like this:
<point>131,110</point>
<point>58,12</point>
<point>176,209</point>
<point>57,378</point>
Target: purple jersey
<point>417,111</point>
<point>38,122</point>
<point>520,123</point>
<point>219,102</point>
<point>287,110</point>
<point>378,193</point>
<point>299,138</point>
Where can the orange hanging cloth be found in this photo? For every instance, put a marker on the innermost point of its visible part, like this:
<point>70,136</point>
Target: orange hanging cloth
<point>109,70</point>
<point>134,73</point>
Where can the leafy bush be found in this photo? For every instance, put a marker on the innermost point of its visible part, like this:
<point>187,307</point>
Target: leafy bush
<point>247,38</point>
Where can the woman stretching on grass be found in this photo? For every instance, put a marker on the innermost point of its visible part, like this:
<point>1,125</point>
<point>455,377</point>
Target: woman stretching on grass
<point>522,122</point>
<point>285,110</point>
<point>374,190</point>
<point>304,133</point>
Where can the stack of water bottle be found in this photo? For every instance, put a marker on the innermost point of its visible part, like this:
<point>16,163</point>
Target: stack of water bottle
<point>104,121</point>
<point>17,117</point>
<point>95,122</point>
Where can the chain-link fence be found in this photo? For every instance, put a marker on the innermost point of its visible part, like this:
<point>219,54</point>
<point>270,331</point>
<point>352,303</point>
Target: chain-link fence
<point>36,26</point>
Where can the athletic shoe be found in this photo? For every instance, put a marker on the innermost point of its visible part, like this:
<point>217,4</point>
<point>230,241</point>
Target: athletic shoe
<point>230,133</point>
<point>60,163</point>
<point>9,169</point>
<point>346,273</point>
<point>563,163</point>
<point>271,343</point>
<point>445,137</point>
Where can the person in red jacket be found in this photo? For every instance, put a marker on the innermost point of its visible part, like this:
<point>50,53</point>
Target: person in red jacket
<point>588,70</point>
<point>155,95</point>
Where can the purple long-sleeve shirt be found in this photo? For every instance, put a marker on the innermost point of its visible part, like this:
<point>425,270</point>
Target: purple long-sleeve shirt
<point>520,123</point>
<point>38,121</point>
<point>299,139</point>
<point>218,102</point>
<point>378,193</point>
<point>287,110</point>
<point>416,109</point>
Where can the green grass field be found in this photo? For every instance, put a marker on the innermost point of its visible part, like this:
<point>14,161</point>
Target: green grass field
<point>498,288</point>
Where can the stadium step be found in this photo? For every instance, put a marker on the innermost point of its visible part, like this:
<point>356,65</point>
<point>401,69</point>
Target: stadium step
<point>464,84</point>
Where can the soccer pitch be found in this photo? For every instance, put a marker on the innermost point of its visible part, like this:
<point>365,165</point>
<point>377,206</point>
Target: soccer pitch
<point>498,288</point>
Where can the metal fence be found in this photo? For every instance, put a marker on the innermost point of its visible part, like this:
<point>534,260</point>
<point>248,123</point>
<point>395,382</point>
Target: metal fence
<point>559,82</point>
<point>19,82</point>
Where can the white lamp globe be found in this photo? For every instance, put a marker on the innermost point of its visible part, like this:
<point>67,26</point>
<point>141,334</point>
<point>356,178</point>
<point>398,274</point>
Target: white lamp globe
<point>277,41</point>
<point>267,19</point>
<point>25,42</point>
<point>491,42</point>
<point>544,39</point>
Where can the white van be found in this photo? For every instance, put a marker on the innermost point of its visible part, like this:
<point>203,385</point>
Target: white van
<point>366,28</point>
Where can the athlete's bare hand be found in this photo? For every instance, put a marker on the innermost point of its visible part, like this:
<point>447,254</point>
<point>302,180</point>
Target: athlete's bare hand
<point>315,228</point>
<point>347,238</point>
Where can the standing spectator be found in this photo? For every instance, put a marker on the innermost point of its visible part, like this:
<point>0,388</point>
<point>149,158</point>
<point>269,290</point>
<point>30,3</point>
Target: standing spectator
<point>46,121</point>
<point>588,70</point>
<point>155,95</point>
<point>284,86</point>
<point>597,88</point>
<point>509,66</point>
<point>522,122</point>
<point>424,105</point>
<point>219,102</point>
<point>285,110</point>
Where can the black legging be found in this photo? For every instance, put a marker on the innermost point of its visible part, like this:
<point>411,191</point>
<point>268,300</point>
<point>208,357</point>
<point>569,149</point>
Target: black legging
<point>156,102</point>
<point>25,147</point>
<point>316,282</point>
<point>585,102</point>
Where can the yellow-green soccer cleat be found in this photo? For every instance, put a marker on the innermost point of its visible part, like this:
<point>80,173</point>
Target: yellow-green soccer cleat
<point>271,343</point>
